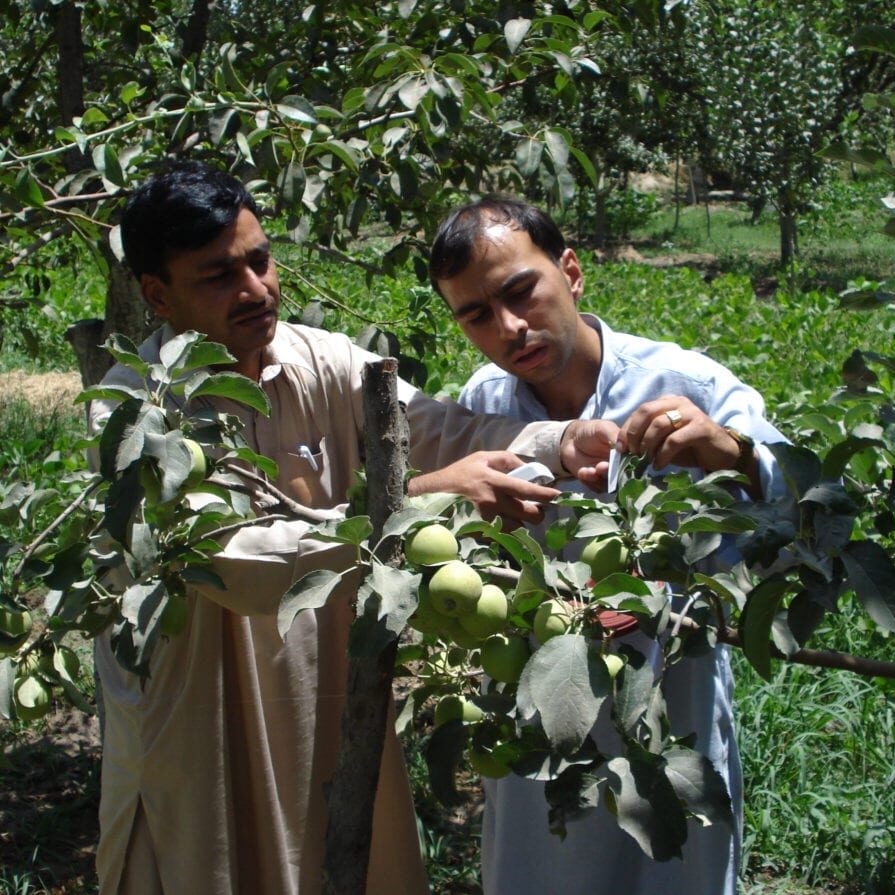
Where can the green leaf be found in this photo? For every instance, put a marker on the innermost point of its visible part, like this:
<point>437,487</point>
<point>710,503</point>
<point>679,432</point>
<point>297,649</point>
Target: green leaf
<point>528,156</point>
<point>112,393</point>
<point>401,522</point>
<point>121,441</point>
<point>259,461</point>
<point>717,520</point>
<point>514,31</point>
<point>699,786</point>
<point>397,590</point>
<point>105,160</point>
<point>595,525</point>
<point>566,682</point>
<point>800,466</point>
<point>838,457</point>
<point>354,530</point>
<point>341,150</point>
<point>871,574</point>
<point>311,591</point>
<point>236,387</point>
<point>587,165</point>
<point>28,190</point>
<point>298,109</point>
<point>412,92</point>
<point>126,352</point>
<point>756,621</point>
<point>557,147</point>
<point>875,37</point>
<point>219,125</point>
<point>646,804</point>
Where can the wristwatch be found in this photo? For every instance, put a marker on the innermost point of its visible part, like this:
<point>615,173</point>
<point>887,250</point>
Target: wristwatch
<point>746,446</point>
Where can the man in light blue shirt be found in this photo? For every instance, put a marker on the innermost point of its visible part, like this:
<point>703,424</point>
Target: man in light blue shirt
<point>513,285</point>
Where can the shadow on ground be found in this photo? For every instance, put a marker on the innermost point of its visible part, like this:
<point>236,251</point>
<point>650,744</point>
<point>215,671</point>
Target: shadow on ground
<point>49,798</point>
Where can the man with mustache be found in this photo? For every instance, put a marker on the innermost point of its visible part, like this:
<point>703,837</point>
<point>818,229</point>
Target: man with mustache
<point>504,270</point>
<point>214,767</point>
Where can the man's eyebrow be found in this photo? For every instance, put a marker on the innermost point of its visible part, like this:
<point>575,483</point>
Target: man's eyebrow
<point>506,286</point>
<point>222,261</point>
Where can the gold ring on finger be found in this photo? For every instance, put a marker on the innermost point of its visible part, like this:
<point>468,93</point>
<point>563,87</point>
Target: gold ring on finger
<point>675,417</point>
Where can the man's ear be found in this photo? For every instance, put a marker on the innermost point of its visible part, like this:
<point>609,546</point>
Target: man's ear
<point>155,294</point>
<point>568,264</point>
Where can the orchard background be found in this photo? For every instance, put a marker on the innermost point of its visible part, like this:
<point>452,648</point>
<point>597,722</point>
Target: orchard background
<point>720,167</point>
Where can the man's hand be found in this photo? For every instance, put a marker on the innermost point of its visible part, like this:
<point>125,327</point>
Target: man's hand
<point>585,450</point>
<point>482,477</point>
<point>673,430</point>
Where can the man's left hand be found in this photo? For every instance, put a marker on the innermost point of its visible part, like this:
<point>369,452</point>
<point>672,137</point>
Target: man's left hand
<point>585,450</point>
<point>673,430</point>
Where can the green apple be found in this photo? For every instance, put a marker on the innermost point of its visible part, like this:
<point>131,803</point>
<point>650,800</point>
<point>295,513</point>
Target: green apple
<point>431,545</point>
<point>658,551</point>
<point>32,698</point>
<point>614,663</point>
<point>451,631</point>
<point>198,465</point>
<point>504,656</point>
<point>552,618</point>
<point>425,619</point>
<point>490,613</point>
<point>15,627</point>
<point>605,556</point>
<point>151,483</point>
<point>455,589</point>
<point>451,707</point>
<point>486,765</point>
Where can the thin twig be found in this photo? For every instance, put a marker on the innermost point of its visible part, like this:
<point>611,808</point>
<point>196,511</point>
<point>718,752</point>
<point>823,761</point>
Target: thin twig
<point>29,550</point>
<point>297,509</point>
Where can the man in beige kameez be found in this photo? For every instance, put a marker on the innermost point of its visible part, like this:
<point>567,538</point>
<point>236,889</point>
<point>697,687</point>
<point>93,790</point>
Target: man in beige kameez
<point>214,767</point>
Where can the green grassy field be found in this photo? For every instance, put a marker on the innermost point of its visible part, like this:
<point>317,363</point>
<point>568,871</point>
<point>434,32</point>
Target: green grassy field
<point>818,747</point>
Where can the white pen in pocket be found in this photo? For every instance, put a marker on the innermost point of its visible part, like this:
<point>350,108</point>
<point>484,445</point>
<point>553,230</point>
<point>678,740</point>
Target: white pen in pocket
<point>305,451</point>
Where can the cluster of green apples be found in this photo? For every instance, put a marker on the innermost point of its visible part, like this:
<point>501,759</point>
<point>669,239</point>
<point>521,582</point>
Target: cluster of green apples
<point>38,667</point>
<point>461,609</point>
<point>479,628</point>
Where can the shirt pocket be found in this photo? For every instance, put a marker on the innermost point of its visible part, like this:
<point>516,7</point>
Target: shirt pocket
<point>304,476</point>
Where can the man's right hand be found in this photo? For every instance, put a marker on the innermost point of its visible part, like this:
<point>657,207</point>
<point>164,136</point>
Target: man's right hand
<point>482,477</point>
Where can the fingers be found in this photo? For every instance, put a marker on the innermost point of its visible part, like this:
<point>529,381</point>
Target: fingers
<point>669,429</point>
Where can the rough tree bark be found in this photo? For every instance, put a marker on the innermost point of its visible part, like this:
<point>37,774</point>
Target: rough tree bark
<point>365,716</point>
<point>126,313</point>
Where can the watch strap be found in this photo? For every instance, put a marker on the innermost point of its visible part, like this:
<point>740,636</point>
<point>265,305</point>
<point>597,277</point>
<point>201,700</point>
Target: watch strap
<point>746,447</point>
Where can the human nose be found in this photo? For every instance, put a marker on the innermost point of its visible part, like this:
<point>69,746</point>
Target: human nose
<point>510,325</point>
<point>252,285</point>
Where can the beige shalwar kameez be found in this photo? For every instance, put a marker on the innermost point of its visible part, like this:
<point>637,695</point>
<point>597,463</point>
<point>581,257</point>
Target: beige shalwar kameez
<point>214,768</point>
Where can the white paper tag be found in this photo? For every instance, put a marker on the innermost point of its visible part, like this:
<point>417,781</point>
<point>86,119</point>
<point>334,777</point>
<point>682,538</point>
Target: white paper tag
<point>612,474</point>
<point>533,472</point>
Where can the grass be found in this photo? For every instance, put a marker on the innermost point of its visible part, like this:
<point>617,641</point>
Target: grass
<point>817,752</point>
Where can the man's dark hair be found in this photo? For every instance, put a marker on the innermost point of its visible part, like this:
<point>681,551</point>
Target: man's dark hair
<point>460,230</point>
<point>184,207</point>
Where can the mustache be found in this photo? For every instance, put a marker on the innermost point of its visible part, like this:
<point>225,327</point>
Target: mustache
<point>251,308</point>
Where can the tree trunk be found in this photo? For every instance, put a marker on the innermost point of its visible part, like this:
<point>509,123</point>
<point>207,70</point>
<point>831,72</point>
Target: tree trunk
<point>126,313</point>
<point>789,246</point>
<point>365,716</point>
<point>195,33</point>
<point>70,73</point>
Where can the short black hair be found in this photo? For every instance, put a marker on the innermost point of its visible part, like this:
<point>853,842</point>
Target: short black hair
<point>185,206</point>
<point>460,230</point>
